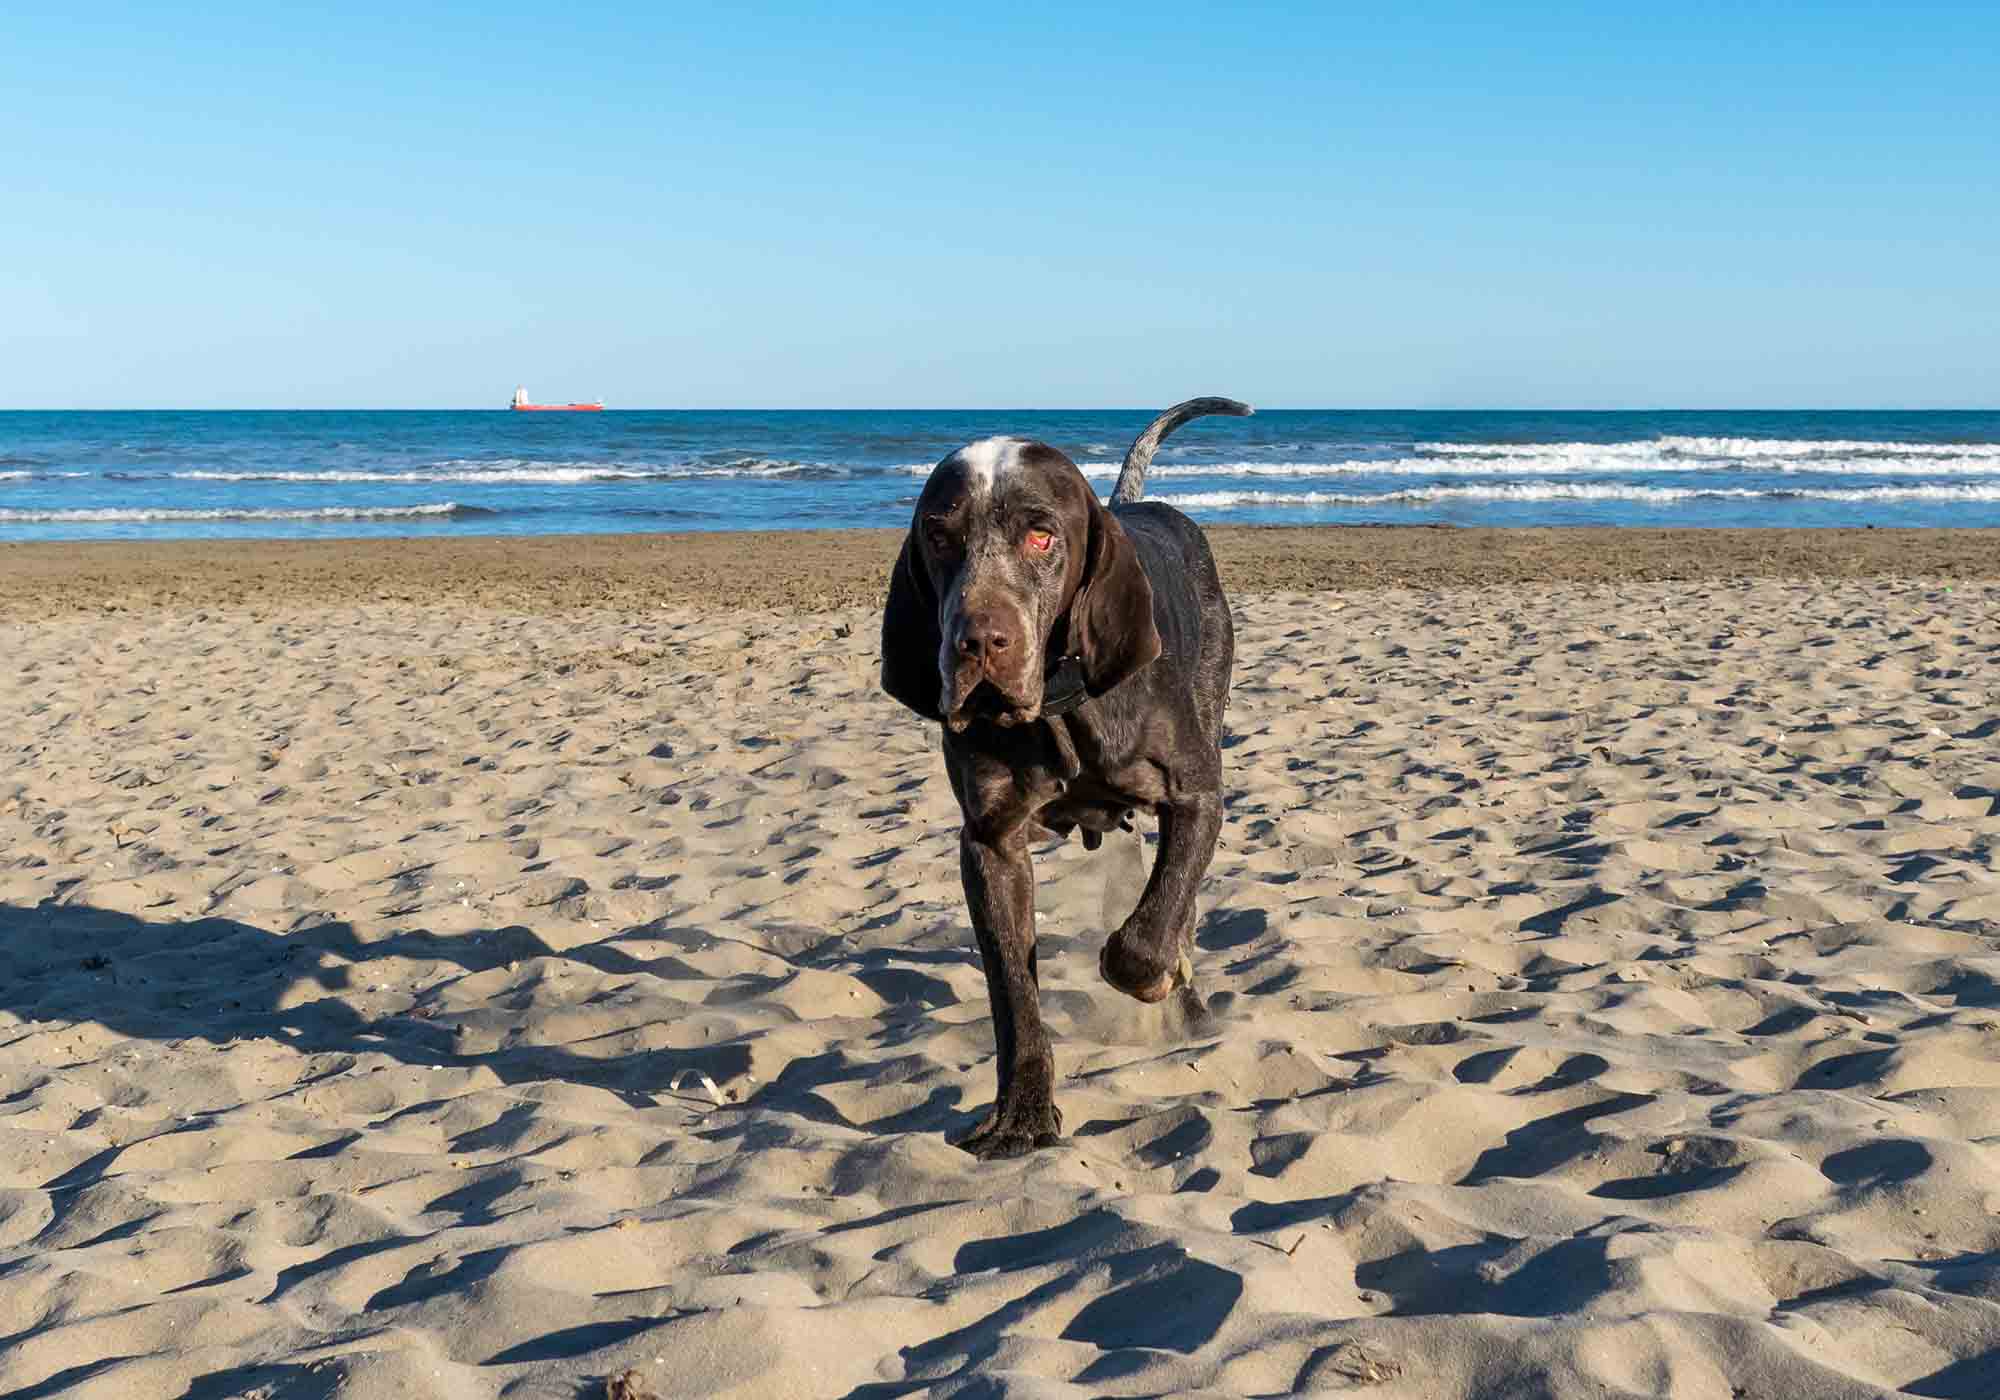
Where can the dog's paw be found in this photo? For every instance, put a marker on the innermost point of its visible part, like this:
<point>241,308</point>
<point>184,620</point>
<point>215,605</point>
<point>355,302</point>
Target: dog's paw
<point>981,1130</point>
<point>1139,971</point>
<point>1013,1131</point>
<point>1004,1144</point>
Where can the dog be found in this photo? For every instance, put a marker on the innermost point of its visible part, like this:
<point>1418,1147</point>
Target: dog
<point>1077,655</point>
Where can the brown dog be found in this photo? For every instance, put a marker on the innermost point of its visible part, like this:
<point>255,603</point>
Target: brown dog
<point>1078,656</point>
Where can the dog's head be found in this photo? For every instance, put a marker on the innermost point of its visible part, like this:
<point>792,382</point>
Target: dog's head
<point>1011,563</point>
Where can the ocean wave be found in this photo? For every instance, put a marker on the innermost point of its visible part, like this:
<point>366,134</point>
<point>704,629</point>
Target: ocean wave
<point>503,468</point>
<point>552,476</point>
<point>1579,463</point>
<point>1809,448</point>
<point>137,515</point>
<point>530,473</point>
<point>1719,449</point>
<point>1891,493</point>
<point>1573,491</point>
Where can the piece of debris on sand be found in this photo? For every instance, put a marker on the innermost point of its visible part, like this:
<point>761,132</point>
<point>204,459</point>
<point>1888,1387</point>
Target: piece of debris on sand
<point>626,1385</point>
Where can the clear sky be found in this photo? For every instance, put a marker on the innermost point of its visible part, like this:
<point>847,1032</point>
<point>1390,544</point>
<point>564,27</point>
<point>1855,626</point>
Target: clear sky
<point>852,205</point>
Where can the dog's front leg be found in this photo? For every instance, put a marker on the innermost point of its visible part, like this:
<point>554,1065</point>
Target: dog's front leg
<point>1000,894</point>
<point>1141,958</point>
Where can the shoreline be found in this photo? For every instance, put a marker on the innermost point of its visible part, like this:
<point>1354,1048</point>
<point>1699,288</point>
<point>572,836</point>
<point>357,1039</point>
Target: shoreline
<point>826,570</point>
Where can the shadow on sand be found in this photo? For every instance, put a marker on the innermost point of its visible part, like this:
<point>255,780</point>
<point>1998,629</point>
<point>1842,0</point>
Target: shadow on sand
<point>223,980</point>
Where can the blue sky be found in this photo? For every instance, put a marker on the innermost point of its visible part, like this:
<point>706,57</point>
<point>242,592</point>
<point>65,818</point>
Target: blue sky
<point>1052,206</point>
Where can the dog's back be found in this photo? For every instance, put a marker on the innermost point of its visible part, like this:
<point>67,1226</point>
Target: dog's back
<point>1189,606</point>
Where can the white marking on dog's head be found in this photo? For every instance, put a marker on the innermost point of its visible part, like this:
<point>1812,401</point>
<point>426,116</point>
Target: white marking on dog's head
<point>988,459</point>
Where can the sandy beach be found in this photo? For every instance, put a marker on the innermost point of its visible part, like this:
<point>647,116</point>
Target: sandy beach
<point>492,967</point>
<point>821,570</point>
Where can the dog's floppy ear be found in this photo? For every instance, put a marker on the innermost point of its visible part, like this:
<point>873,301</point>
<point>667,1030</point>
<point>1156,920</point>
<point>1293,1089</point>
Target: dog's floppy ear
<point>1111,621</point>
<point>910,637</point>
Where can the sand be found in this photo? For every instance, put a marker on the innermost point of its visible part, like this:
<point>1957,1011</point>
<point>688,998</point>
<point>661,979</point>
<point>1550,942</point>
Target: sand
<point>821,570</point>
<point>1605,968</point>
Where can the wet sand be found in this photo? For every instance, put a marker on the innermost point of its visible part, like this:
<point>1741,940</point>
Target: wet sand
<point>814,571</point>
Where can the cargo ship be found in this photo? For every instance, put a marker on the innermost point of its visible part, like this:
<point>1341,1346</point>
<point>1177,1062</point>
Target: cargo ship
<point>521,404</point>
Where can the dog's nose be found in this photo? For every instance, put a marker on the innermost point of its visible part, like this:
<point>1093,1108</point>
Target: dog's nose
<point>982,636</point>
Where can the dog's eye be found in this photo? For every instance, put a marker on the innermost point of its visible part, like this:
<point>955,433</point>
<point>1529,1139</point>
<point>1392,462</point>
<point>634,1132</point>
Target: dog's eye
<point>1039,541</point>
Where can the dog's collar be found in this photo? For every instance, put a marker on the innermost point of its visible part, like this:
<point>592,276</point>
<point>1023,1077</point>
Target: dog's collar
<point>1064,688</point>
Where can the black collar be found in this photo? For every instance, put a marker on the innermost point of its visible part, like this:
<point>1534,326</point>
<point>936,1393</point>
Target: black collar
<point>1063,688</point>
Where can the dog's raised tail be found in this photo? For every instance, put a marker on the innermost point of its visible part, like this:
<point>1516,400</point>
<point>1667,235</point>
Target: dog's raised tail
<point>1132,476</point>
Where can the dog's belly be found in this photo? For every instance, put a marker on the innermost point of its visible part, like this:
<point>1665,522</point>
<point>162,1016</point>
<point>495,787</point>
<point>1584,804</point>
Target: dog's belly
<point>1092,807</point>
<point>1092,814</point>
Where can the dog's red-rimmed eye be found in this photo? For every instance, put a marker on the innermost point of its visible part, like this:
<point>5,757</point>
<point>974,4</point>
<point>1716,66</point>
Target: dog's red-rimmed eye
<point>1039,541</point>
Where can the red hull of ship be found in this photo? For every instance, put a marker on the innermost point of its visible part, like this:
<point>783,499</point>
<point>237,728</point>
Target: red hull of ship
<point>557,407</point>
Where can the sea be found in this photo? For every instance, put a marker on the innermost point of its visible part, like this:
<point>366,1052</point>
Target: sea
<point>174,475</point>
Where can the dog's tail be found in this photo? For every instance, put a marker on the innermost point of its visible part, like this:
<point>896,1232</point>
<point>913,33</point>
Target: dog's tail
<point>1132,476</point>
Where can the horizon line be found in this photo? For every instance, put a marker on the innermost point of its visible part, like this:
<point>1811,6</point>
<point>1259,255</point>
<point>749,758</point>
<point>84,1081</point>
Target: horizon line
<point>1029,408</point>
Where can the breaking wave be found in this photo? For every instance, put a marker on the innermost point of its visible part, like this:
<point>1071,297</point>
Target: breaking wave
<point>553,476</point>
<point>1566,459</point>
<point>1572,491</point>
<point>144,515</point>
<point>497,473</point>
<point>505,468</point>
<point>1580,465</point>
<point>1711,450</point>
